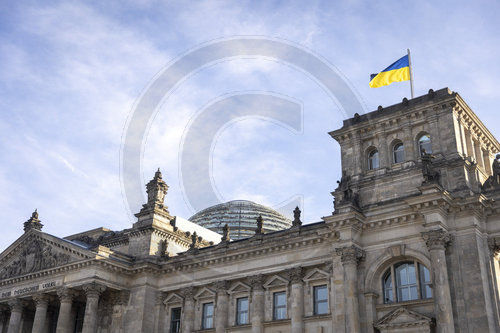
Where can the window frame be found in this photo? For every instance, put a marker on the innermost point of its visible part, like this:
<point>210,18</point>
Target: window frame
<point>395,146</point>
<point>316,302</point>
<point>279,307</point>
<point>419,143</point>
<point>172,322</point>
<point>371,153</point>
<point>239,312</point>
<point>205,316</point>
<point>395,287</point>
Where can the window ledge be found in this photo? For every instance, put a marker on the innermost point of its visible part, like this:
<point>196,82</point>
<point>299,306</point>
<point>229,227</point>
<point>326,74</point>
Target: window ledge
<point>406,303</point>
<point>318,317</point>
<point>277,322</point>
<point>239,327</point>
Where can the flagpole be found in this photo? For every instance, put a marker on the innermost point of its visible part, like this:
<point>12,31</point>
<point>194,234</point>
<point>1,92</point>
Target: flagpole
<point>411,74</point>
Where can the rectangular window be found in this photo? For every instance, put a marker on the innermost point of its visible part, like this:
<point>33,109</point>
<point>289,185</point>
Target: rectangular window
<point>208,316</point>
<point>320,300</point>
<point>279,305</point>
<point>242,311</point>
<point>175,320</point>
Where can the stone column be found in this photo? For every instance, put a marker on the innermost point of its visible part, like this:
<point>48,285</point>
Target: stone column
<point>257,307</point>
<point>42,303</point>
<point>16,312</point>
<point>295,276</point>
<point>437,241</point>
<point>187,322</point>
<point>120,301</point>
<point>3,316</point>
<point>64,318</point>
<point>92,291</point>
<point>221,307</point>
<point>159,313</point>
<point>350,257</point>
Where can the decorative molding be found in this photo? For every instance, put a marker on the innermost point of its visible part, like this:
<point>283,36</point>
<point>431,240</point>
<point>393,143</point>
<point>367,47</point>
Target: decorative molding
<point>221,286</point>
<point>65,294</point>
<point>93,290</point>
<point>16,305</point>
<point>295,274</point>
<point>256,281</point>
<point>41,299</point>
<point>188,293</point>
<point>437,239</point>
<point>350,255</point>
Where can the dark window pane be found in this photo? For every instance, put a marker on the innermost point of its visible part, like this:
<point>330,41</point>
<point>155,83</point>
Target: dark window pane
<point>399,153</point>
<point>242,311</point>
<point>373,162</point>
<point>279,305</point>
<point>175,320</point>
<point>208,316</point>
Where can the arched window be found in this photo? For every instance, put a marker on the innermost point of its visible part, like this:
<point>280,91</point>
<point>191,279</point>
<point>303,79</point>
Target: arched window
<point>373,162</point>
<point>398,152</point>
<point>424,144</point>
<point>406,281</point>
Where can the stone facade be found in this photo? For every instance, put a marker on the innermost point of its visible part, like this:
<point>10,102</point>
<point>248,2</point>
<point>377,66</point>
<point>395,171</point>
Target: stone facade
<point>413,245</point>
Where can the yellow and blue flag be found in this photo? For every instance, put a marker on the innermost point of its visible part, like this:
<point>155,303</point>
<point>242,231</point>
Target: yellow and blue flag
<point>397,72</point>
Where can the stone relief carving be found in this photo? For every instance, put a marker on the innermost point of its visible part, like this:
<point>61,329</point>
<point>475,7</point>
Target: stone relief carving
<point>348,194</point>
<point>35,256</point>
<point>493,182</point>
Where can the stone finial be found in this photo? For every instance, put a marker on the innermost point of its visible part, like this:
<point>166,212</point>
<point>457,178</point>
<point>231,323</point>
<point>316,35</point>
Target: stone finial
<point>296,217</point>
<point>225,233</point>
<point>162,249</point>
<point>33,222</point>
<point>260,226</point>
<point>437,239</point>
<point>156,189</point>
<point>295,274</point>
<point>350,254</point>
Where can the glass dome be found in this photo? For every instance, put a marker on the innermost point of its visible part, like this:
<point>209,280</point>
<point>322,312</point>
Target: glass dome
<point>241,217</point>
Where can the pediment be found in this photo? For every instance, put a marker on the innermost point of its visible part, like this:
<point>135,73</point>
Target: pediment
<point>402,317</point>
<point>205,293</point>
<point>173,298</point>
<point>316,274</point>
<point>37,251</point>
<point>239,287</point>
<point>275,281</point>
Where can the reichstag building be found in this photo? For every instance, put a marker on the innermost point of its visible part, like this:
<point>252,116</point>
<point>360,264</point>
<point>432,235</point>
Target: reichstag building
<point>412,245</point>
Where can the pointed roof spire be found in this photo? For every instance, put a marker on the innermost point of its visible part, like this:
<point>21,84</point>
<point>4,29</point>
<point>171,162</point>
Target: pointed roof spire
<point>33,222</point>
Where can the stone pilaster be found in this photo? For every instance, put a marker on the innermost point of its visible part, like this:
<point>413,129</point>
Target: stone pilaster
<point>257,306</point>
<point>350,256</point>
<point>222,306</point>
<point>66,302</point>
<point>437,241</point>
<point>16,312</point>
<point>159,312</point>
<point>187,325</point>
<point>295,276</point>
<point>92,292</point>
<point>42,303</point>
<point>120,301</point>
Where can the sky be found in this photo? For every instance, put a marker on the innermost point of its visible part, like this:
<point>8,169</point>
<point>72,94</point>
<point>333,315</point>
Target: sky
<point>72,74</point>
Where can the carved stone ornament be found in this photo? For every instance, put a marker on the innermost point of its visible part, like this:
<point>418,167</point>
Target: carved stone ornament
<point>431,175</point>
<point>493,182</point>
<point>65,294</point>
<point>160,297</point>
<point>350,254</point>
<point>41,299</point>
<point>16,305</point>
<point>295,274</point>
<point>187,293</point>
<point>156,190</point>
<point>437,239</point>
<point>33,222</point>
<point>256,281</point>
<point>120,297</point>
<point>221,286</point>
<point>36,256</point>
<point>494,246</point>
<point>93,290</point>
<point>225,233</point>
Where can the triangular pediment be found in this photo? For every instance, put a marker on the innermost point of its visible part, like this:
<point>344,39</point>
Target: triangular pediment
<point>239,287</point>
<point>36,251</point>
<point>205,293</point>
<point>316,274</point>
<point>403,317</point>
<point>173,298</point>
<point>275,281</point>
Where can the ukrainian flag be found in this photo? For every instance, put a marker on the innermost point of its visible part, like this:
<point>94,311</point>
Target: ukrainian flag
<point>397,72</point>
